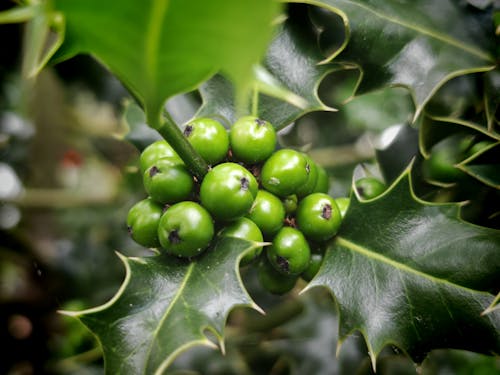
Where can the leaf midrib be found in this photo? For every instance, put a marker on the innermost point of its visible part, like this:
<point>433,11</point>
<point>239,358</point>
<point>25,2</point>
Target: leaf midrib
<point>167,312</point>
<point>153,34</point>
<point>397,265</point>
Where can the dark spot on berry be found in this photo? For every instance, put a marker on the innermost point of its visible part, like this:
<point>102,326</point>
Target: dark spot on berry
<point>173,237</point>
<point>129,229</point>
<point>327,212</point>
<point>361,191</point>
<point>260,122</point>
<point>188,130</point>
<point>308,168</point>
<point>245,182</point>
<point>153,171</point>
<point>283,263</point>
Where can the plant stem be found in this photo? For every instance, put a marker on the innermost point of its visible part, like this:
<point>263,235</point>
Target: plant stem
<point>173,135</point>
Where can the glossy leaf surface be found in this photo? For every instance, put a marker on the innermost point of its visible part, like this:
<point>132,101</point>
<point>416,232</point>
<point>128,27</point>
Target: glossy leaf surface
<point>413,275</point>
<point>165,305</point>
<point>291,64</point>
<point>419,44</point>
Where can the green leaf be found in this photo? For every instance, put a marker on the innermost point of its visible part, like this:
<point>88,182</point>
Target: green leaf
<point>484,166</point>
<point>413,275</point>
<point>398,153</point>
<point>139,133</point>
<point>417,44</point>
<point>165,305</point>
<point>495,305</point>
<point>435,129</point>
<point>286,84</point>
<point>44,34</point>
<point>492,98</point>
<point>159,48</point>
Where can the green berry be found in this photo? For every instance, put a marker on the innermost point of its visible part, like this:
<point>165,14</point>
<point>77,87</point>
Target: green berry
<point>312,178</point>
<point>245,229</point>
<point>155,151</point>
<point>267,212</point>
<point>369,187</point>
<point>440,166</point>
<point>142,222</point>
<point>185,229</point>
<point>289,252</point>
<point>209,138</point>
<point>285,172</point>
<point>313,267</point>
<point>322,182</point>
<point>274,281</point>
<point>228,191</point>
<point>252,140</point>
<point>318,217</point>
<point>168,181</point>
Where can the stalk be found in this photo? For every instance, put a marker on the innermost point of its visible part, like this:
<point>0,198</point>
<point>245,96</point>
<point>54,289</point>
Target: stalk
<point>169,130</point>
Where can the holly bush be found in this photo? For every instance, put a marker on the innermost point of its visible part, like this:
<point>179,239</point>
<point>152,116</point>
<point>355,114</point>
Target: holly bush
<point>395,104</point>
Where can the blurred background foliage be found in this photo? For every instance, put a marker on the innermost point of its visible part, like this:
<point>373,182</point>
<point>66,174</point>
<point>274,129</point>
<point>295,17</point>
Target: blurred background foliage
<point>68,178</point>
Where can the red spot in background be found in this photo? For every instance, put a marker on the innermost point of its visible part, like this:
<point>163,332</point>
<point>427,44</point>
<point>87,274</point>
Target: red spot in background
<point>72,158</point>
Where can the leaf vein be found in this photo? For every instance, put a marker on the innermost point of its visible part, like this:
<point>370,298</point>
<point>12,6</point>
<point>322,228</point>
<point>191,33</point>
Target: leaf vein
<point>423,30</point>
<point>167,312</point>
<point>410,306</point>
<point>397,265</point>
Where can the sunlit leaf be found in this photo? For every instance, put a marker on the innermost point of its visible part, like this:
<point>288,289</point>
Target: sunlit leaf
<point>159,48</point>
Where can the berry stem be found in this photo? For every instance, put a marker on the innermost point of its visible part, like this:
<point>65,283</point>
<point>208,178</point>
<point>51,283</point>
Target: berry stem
<point>169,130</point>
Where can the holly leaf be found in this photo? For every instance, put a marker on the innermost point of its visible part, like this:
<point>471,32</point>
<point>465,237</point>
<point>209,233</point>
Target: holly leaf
<point>286,83</point>
<point>138,133</point>
<point>394,157</point>
<point>495,305</point>
<point>485,165</point>
<point>434,129</point>
<point>492,98</point>
<point>171,46</point>
<point>419,44</point>
<point>414,275</point>
<point>165,305</point>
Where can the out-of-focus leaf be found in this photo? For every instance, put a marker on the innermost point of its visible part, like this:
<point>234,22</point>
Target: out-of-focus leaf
<point>165,305</point>
<point>485,165</point>
<point>44,33</point>
<point>419,44</point>
<point>492,98</point>
<point>139,133</point>
<point>495,305</point>
<point>309,341</point>
<point>413,275</point>
<point>435,129</point>
<point>160,48</point>
<point>290,65</point>
<point>378,110</point>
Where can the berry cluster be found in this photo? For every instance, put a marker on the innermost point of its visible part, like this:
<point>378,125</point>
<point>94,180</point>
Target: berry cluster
<point>252,191</point>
